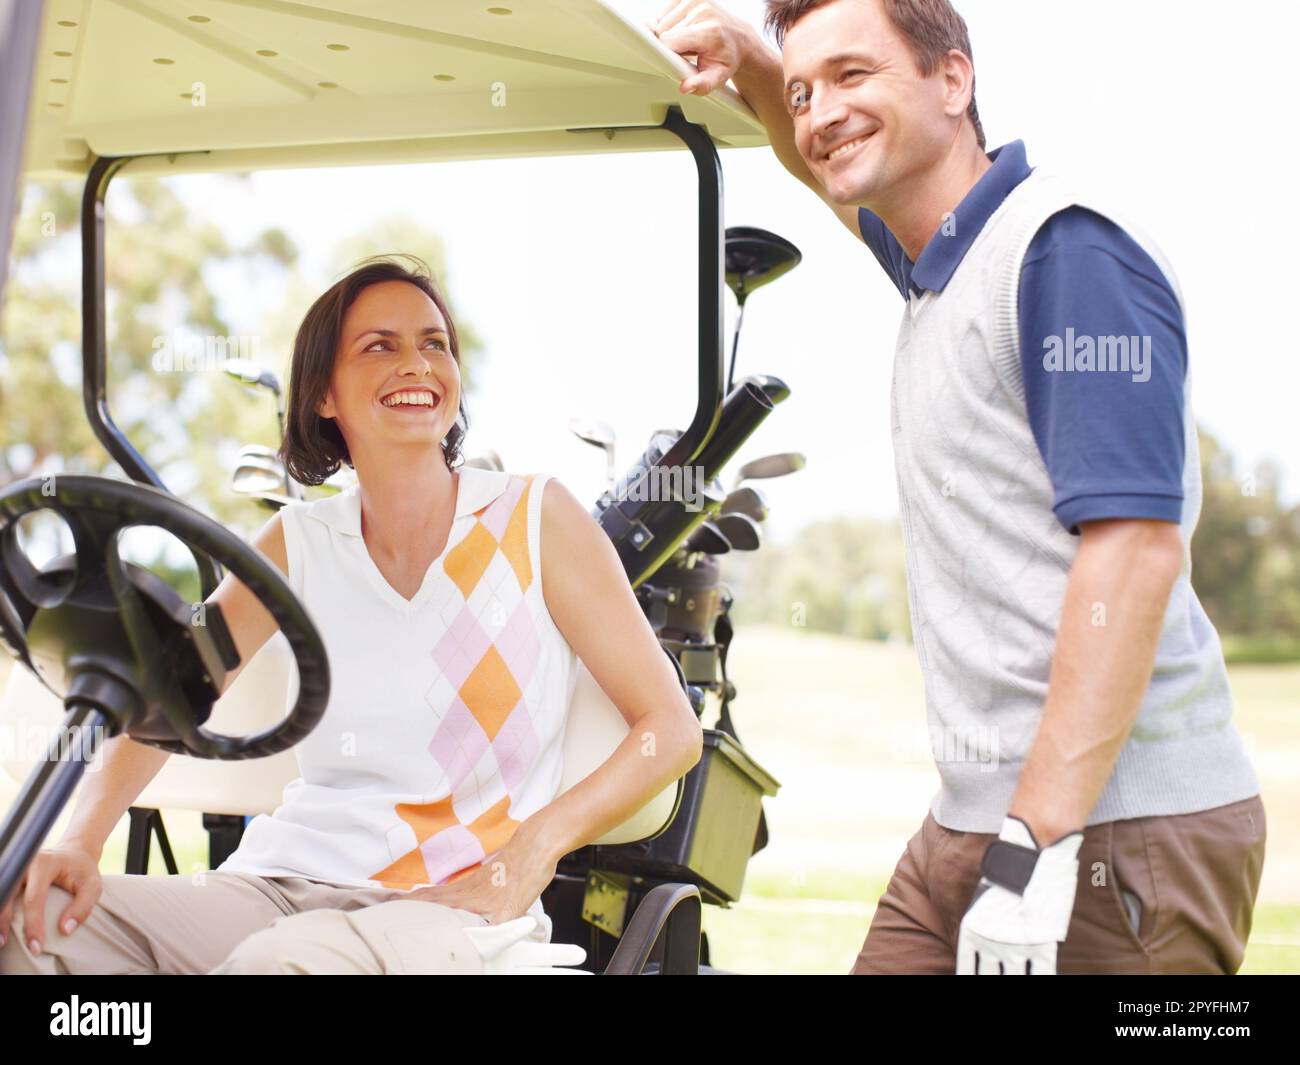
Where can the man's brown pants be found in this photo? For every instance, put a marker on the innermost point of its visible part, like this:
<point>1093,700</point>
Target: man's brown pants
<point>1169,894</point>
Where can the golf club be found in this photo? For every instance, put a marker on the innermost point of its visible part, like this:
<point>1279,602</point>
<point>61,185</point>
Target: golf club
<point>754,257</point>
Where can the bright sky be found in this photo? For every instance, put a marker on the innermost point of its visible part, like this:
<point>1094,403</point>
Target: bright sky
<point>579,273</point>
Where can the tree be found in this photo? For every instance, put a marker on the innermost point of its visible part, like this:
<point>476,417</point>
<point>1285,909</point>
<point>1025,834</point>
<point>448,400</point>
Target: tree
<point>156,293</point>
<point>1246,551</point>
<point>843,575</point>
<point>167,339</point>
<point>847,575</point>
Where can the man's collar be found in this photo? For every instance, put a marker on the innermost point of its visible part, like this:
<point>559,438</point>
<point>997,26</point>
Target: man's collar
<point>478,488</point>
<point>940,258</point>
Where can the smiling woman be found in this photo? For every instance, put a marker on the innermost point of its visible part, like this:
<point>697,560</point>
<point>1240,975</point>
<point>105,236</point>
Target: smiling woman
<point>429,805</point>
<point>347,331</point>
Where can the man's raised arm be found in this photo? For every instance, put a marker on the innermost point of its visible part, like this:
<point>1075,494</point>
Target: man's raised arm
<point>726,47</point>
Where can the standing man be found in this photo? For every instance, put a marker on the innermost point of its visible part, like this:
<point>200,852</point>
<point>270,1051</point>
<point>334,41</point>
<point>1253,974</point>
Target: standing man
<point>1049,485</point>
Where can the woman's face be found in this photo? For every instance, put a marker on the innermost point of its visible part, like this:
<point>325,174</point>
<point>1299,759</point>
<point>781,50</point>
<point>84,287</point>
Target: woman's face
<point>395,380</point>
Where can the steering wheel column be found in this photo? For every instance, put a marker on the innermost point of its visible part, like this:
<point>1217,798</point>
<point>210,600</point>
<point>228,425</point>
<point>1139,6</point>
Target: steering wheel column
<point>125,653</point>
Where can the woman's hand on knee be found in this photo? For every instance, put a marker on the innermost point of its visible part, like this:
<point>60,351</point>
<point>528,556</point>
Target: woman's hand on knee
<point>66,866</point>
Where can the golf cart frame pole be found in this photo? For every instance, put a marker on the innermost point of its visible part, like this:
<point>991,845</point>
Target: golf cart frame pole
<point>94,329</point>
<point>48,790</point>
<point>710,245</point>
<point>642,527</point>
<point>94,343</point>
<point>708,410</point>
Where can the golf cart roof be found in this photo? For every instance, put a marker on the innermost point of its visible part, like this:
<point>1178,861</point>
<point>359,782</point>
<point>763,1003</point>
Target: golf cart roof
<point>285,83</point>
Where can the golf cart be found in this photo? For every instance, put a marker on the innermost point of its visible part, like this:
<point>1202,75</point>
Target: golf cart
<point>105,647</point>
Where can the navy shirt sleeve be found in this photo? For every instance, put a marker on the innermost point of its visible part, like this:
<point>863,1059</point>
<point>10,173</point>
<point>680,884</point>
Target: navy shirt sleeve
<point>1104,357</point>
<point>888,252</point>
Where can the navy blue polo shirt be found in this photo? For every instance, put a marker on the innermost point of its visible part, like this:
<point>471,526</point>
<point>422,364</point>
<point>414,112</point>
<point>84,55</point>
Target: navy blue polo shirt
<point>1113,448</point>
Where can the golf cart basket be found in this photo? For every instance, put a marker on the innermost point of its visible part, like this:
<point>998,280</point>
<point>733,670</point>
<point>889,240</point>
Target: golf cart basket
<point>161,88</point>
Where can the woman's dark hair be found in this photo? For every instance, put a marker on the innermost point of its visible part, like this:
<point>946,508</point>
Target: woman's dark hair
<point>313,447</point>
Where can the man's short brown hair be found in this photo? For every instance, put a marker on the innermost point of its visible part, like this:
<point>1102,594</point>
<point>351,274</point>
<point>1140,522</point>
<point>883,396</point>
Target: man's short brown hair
<point>931,28</point>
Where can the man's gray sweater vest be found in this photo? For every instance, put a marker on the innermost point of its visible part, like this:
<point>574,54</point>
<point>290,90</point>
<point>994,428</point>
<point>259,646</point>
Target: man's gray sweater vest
<point>988,561</point>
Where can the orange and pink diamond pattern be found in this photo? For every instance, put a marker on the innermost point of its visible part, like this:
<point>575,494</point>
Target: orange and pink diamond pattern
<point>487,662</point>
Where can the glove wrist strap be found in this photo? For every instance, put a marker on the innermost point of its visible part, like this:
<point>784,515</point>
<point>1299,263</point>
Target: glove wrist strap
<point>1009,865</point>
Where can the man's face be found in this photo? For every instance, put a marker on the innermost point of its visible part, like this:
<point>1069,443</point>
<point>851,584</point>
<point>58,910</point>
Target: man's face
<point>865,120</point>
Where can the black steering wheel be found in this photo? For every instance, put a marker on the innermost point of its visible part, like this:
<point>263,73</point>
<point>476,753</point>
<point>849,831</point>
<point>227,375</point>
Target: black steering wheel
<point>110,634</point>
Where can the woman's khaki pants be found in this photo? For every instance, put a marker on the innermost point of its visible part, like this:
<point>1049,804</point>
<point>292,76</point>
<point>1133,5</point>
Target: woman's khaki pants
<point>234,922</point>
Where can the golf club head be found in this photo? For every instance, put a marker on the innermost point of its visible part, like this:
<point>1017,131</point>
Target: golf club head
<point>755,257</point>
<point>254,469</point>
<point>747,500</point>
<point>255,474</point>
<point>599,434</point>
<point>252,373</point>
<point>741,531</point>
<point>769,466</point>
<point>593,431</point>
<point>709,539</point>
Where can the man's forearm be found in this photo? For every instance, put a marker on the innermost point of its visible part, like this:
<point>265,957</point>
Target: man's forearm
<point>1105,651</point>
<point>761,81</point>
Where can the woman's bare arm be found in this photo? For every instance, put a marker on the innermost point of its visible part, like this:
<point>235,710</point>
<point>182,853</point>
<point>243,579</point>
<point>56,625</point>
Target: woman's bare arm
<point>588,594</point>
<point>128,767</point>
<point>249,622</point>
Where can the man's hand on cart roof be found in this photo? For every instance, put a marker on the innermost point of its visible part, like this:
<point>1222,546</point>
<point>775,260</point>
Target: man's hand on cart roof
<point>715,39</point>
<point>727,47</point>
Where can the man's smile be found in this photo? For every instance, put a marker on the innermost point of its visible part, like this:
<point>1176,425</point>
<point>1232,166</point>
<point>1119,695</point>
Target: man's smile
<point>847,147</point>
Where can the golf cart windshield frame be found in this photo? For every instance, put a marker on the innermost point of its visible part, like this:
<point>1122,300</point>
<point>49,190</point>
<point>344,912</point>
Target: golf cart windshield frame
<point>710,396</point>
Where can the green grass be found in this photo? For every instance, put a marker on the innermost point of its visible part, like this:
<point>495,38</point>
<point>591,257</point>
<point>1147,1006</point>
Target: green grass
<point>841,724</point>
<point>1259,651</point>
<point>1274,946</point>
<point>818,927</point>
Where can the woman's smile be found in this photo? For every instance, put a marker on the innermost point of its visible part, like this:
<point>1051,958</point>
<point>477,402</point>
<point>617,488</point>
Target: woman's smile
<point>412,402</point>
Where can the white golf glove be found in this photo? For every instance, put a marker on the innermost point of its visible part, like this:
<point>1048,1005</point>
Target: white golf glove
<point>507,950</point>
<point>1022,906</point>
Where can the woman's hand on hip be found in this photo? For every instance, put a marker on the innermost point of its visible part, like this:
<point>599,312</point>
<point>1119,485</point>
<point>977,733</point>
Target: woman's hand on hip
<point>501,887</point>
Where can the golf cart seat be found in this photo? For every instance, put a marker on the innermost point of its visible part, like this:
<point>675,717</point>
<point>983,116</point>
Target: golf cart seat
<point>258,698</point>
<point>227,791</point>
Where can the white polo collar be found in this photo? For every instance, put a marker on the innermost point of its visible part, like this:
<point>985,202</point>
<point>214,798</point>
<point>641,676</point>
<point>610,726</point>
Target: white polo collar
<point>477,489</point>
